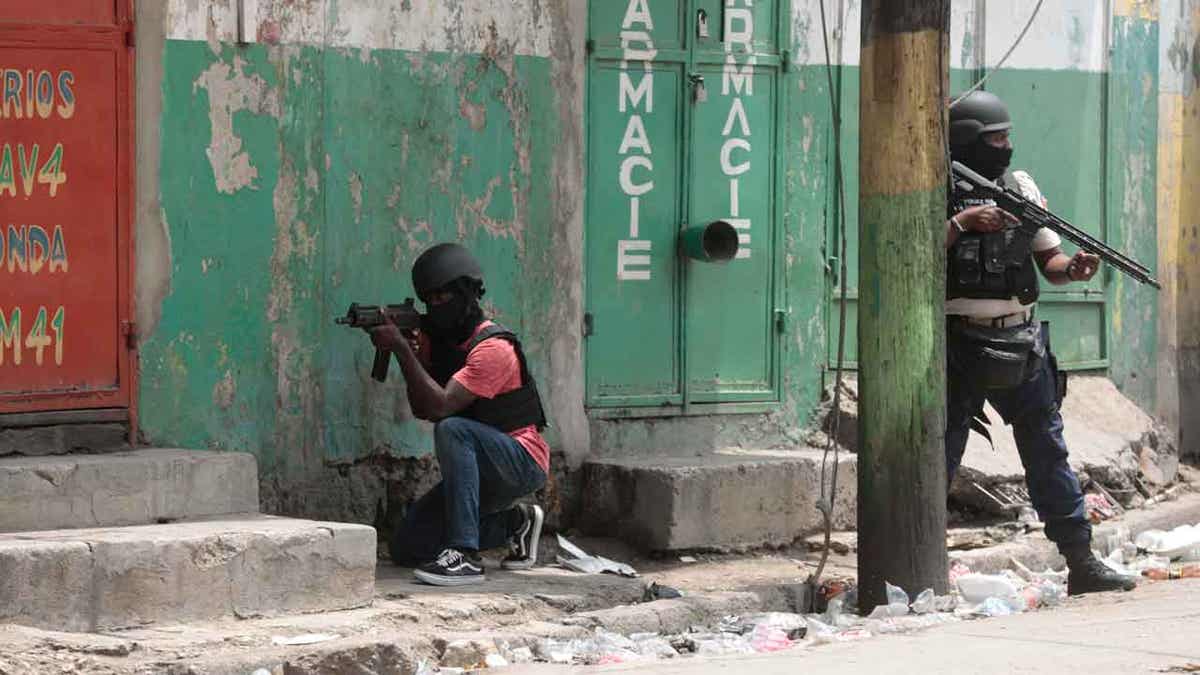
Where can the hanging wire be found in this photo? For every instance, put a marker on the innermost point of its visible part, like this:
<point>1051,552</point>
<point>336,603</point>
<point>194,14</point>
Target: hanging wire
<point>1003,59</point>
<point>825,503</point>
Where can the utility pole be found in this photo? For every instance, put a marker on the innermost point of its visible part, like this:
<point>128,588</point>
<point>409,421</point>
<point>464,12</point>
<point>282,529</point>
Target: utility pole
<point>901,327</point>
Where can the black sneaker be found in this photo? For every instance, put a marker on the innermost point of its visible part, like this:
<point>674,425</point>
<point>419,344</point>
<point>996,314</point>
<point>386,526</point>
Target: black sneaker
<point>1093,576</point>
<point>452,568</point>
<point>523,547</point>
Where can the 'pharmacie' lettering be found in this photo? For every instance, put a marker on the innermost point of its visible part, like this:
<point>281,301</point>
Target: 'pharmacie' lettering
<point>739,30</point>
<point>636,97</point>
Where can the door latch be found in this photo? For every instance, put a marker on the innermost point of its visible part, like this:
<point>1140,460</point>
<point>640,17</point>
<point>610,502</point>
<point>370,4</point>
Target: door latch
<point>699,92</point>
<point>702,24</point>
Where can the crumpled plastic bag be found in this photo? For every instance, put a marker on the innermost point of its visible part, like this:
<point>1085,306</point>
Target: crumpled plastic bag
<point>993,607</point>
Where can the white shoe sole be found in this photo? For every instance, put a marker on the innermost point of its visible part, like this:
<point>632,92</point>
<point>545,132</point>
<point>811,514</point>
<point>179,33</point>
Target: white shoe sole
<point>439,580</point>
<point>538,518</point>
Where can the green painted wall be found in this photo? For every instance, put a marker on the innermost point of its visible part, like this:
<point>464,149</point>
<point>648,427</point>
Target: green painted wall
<point>1133,204</point>
<point>295,180</point>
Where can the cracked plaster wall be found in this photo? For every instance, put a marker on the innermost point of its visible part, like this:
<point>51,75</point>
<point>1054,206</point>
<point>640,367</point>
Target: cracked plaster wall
<point>282,177</point>
<point>1179,220</point>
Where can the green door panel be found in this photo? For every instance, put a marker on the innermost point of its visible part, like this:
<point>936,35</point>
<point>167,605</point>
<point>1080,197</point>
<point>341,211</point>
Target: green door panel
<point>729,310</point>
<point>666,148</point>
<point>633,215</point>
<point>610,20</point>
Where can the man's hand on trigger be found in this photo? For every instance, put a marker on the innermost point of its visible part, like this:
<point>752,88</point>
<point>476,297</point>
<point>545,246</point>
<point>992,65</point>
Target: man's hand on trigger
<point>986,219</point>
<point>387,337</point>
<point>1083,266</point>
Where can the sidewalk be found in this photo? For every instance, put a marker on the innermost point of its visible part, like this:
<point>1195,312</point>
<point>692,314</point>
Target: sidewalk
<point>411,623</point>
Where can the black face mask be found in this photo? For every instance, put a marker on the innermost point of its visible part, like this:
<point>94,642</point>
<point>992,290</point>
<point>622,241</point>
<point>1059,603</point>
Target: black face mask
<point>451,321</point>
<point>991,162</point>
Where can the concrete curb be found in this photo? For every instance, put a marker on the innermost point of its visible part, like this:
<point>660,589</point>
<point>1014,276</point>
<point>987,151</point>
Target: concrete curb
<point>1037,553</point>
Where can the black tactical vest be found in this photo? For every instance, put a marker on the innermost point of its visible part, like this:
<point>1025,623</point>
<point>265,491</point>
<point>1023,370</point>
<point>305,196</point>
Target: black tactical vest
<point>507,412</point>
<point>993,265</point>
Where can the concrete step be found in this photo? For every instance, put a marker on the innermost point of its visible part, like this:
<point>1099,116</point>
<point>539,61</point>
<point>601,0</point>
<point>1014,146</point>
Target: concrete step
<point>254,565</point>
<point>128,488</point>
<point>722,500</point>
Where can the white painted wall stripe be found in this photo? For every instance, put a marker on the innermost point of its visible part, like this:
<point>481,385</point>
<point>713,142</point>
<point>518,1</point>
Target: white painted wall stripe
<point>470,26</point>
<point>1067,35</point>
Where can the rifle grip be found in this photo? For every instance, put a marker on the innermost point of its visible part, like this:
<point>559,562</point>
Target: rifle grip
<point>382,360</point>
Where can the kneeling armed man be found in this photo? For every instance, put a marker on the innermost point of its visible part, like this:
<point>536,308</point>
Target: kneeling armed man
<point>469,376</point>
<point>996,351</point>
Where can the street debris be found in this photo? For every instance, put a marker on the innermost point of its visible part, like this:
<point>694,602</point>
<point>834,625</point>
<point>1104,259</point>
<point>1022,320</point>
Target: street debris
<point>1159,555</point>
<point>578,560</point>
<point>655,591</point>
<point>305,639</point>
<point>1099,508</point>
<point>1155,554</point>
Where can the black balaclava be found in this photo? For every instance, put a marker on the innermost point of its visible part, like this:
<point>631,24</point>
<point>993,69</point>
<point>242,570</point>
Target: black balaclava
<point>455,320</point>
<point>991,162</point>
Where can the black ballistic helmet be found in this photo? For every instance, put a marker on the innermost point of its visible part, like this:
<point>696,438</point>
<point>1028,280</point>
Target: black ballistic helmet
<point>442,264</point>
<point>979,113</point>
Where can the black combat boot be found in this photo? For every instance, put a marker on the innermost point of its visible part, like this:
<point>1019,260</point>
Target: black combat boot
<point>1086,574</point>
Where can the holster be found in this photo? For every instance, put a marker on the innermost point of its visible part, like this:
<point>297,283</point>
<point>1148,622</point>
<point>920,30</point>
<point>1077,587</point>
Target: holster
<point>997,358</point>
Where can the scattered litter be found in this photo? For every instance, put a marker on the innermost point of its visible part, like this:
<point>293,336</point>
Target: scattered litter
<point>977,588</point>
<point>1098,507</point>
<point>769,639</point>
<point>794,626</point>
<point>686,559</point>
<point>578,560</point>
<point>925,603</point>
<point>896,595</point>
<point>306,639</point>
<point>1182,542</point>
<point>957,569</point>
<point>654,591</point>
<point>892,609</point>
<point>993,607</point>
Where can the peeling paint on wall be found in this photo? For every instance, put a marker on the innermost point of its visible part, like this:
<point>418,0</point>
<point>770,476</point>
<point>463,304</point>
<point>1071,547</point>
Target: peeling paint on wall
<point>229,92</point>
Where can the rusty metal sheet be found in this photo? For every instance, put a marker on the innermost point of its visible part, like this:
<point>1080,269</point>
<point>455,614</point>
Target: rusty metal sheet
<point>71,12</point>
<point>65,183</point>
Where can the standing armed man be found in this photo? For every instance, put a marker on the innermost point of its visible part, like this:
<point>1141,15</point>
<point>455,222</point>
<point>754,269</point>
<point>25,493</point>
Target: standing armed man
<point>469,376</point>
<point>996,351</point>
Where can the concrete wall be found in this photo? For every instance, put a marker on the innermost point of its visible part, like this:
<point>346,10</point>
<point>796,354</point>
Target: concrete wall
<point>1179,220</point>
<point>282,178</point>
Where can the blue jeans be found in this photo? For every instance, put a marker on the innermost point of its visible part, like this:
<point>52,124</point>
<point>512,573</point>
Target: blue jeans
<point>484,472</point>
<point>1032,408</point>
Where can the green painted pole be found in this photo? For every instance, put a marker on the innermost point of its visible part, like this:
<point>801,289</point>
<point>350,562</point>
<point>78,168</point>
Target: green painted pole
<point>901,329</point>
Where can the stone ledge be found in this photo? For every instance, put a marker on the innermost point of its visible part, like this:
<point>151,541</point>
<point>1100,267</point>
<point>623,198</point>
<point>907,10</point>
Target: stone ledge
<point>725,500</point>
<point>129,488</point>
<point>103,579</point>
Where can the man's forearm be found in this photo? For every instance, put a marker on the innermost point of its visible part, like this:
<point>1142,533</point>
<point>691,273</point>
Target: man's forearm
<point>427,397</point>
<point>1055,269</point>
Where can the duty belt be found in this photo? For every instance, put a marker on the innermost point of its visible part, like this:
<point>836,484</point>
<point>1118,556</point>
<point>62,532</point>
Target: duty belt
<point>1006,321</point>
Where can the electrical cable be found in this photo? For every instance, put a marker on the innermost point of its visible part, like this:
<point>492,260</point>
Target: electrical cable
<point>1003,59</point>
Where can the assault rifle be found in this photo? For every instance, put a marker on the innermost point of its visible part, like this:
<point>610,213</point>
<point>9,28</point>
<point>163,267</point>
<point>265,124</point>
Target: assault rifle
<point>1033,217</point>
<point>366,317</point>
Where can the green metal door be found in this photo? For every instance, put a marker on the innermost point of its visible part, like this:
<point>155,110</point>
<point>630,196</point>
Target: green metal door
<point>683,107</point>
<point>729,309</point>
